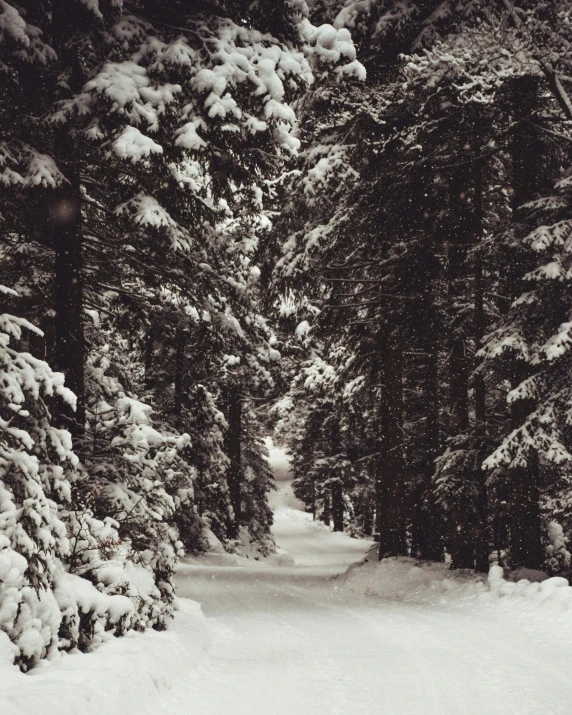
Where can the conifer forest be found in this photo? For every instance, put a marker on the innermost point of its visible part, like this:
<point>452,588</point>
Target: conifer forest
<point>285,284</point>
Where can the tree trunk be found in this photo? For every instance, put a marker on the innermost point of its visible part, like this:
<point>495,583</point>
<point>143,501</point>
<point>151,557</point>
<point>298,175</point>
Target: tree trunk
<point>368,521</point>
<point>525,525</point>
<point>338,506</point>
<point>326,511</point>
<point>149,347</point>
<point>313,500</point>
<point>69,353</point>
<point>461,544</point>
<point>459,386</point>
<point>200,482</point>
<point>67,242</point>
<point>181,341</point>
<point>525,521</point>
<point>482,530</point>
<point>390,473</point>
<point>525,141</point>
<point>234,450</point>
<point>427,526</point>
<point>479,387</point>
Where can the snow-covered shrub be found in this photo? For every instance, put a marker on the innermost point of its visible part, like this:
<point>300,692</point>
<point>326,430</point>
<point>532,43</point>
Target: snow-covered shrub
<point>557,554</point>
<point>137,486</point>
<point>67,576</point>
<point>36,462</point>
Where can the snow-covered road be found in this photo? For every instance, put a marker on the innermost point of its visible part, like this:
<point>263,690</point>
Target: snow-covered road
<point>296,638</point>
<point>291,640</point>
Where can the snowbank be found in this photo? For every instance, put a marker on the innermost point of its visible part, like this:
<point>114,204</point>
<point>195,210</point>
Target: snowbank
<point>130,675</point>
<point>410,581</point>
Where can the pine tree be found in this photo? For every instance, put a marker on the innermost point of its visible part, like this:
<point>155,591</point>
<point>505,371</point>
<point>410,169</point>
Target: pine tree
<point>38,468</point>
<point>131,147</point>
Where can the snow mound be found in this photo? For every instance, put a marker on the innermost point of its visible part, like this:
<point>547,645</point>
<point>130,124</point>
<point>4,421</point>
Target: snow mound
<point>280,558</point>
<point>215,545</point>
<point>410,581</point>
<point>132,675</point>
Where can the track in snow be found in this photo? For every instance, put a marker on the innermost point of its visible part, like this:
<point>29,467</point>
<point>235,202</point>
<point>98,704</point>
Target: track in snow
<point>289,641</point>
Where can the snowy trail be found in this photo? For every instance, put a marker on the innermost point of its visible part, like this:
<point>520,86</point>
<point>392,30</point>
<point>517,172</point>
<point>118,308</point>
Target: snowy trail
<point>293,641</point>
<point>393,638</point>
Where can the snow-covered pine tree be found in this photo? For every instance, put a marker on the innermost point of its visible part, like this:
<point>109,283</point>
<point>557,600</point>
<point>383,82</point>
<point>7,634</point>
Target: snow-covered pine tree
<point>37,469</point>
<point>129,145</point>
<point>433,107</point>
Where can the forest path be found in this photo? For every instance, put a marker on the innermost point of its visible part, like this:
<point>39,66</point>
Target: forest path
<point>290,640</point>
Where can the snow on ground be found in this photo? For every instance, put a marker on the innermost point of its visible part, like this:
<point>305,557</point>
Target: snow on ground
<point>314,637</point>
<point>392,638</point>
<point>139,674</point>
<point>308,542</point>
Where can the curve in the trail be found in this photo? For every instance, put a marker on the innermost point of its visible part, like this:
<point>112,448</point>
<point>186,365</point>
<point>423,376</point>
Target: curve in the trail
<point>290,640</point>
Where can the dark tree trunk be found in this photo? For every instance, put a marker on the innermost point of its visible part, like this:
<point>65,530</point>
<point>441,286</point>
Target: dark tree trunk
<point>461,540</point>
<point>482,529</point>
<point>525,525</point>
<point>459,386</point>
<point>326,511</point>
<point>376,478</point>
<point>181,341</point>
<point>525,522</point>
<point>435,550</point>
<point>338,506</point>
<point>200,482</point>
<point>525,148</point>
<point>479,387</point>
<point>459,238</point>
<point>234,453</point>
<point>69,348</point>
<point>149,347</point>
<point>368,521</point>
<point>67,242</point>
<point>313,500</point>
<point>461,543</point>
<point>427,523</point>
<point>390,461</point>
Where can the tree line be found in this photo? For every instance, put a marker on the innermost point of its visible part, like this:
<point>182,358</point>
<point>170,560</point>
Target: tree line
<point>423,254</point>
<point>355,212</point>
<point>139,144</point>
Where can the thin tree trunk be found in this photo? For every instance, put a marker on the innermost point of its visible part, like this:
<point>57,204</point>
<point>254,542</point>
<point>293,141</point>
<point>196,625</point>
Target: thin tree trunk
<point>482,535</point>
<point>338,506</point>
<point>326,511</point>
<point>181,341</point>
<point>525,521</point>
<point>427,527</point>
<point>459,386</point>
<point>368,520</point>
<point>390,473</point>
<point>479,387</point>
<point>234,453</point>
<point>525,525</point>
<point>200,481</point>
<point>67,241</point>
<point>435,550</point>
<point>313,500</point>
<point>69,352</point>
<point>149,347</point>
<point>461,544</point>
